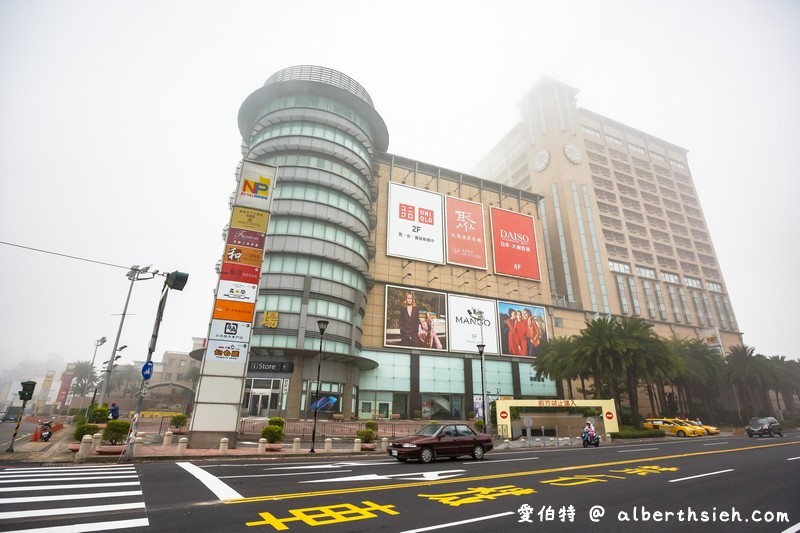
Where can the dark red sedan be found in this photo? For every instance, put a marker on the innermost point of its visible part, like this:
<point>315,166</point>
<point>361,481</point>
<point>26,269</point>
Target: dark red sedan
<point>441,440</point>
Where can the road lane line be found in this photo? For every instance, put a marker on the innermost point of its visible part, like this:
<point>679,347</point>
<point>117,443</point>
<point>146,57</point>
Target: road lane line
<point>638,450</point>
<point>794,529</point>
<point>793,458</point>
<point>715,443</point>
<point>287,474</point>
<point>62,497</point>
<point>73,468</point>
<point>90,526</point>
<point>70,486</point>
<point>219,488</point>
<point>460,522</point>
<point>700,475</point>
<point>488,477</point>
<point>70,510</point>
<point>25,477</point>
<point>493,461</point>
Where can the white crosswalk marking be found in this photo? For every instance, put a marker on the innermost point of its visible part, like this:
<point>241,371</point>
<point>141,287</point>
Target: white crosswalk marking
<point>55,499</point>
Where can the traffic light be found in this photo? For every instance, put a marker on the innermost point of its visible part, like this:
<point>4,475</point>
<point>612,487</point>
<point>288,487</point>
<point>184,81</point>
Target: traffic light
<point>27,390</point>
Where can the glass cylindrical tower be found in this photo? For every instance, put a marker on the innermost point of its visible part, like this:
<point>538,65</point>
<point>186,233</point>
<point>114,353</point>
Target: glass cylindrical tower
<point>319,127</point>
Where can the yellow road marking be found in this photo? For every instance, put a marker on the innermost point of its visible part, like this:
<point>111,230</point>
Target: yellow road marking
<point>353,490</point>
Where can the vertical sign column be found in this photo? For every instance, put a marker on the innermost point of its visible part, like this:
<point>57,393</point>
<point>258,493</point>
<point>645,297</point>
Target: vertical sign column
<point>224,368</point>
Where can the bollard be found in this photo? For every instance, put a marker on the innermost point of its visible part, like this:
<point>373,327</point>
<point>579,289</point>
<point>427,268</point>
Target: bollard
<point>384,444</point>
<point>608,438</point>
<point>223,446</point>
<point>537,442</point>
<point>137,446</point>
<point>357,445</point>
<point>296,445</point>
<point>167,439</point>
<point>86,447</point>
<point>262,446</point>
<point>96,438</point>
<point>183,442</point>
<point>328,445</point>
<point>565,441</point>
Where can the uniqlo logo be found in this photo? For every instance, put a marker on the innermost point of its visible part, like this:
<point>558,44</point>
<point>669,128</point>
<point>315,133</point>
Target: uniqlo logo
<point>407,212</point>
<point>426,216</point>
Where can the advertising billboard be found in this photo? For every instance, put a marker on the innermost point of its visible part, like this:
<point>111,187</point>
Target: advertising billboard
<point>415,224</point>
<point>237,291</point>
<point>229,330</point>
<point>255,186</point>
<point>523,329</point>
<point>466,240</point>
<point>244,237</point>
<point>514,244</point>
<point>472,321</point>
<point>233,310</point>
<point>240,273</point>
<point>250,219</point>
<point>415,319</point>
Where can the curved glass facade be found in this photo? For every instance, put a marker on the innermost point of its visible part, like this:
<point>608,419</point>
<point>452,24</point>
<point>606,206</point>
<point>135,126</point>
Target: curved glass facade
<point>318,126</point>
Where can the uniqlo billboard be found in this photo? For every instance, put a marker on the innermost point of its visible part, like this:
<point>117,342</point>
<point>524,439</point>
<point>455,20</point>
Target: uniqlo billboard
<point>415,224</point>
<point>514,244</point>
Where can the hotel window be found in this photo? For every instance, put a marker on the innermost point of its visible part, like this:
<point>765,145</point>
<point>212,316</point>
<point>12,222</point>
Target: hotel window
<point>646,272</point>
<point>657,157</point>
<point>685,305</point>
<point>616,266</point>
<point>662,309</point>
<point>591,132</point>
<point>623,299</point>
<point>721,312</point>
<point>676,308</point>
<point>677,164</point>
<point>649,298</point>
<point>636,149</point>
<point>692,282</point>
<point>669,277</point>
<point>634,297</point>
<point>707,307</point>
<point>610,139</point>
<point>698,307</point>
<point>715,287</point>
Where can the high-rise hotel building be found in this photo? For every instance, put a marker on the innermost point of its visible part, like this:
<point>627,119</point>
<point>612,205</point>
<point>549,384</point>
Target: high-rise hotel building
<point>415,266</point>
<point>624,229</point>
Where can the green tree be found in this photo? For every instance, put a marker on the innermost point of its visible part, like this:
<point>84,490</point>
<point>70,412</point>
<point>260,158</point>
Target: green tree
<point>192,376</point>
<point>83,378</point>
<point>748,373</point>
<point>598,351</point>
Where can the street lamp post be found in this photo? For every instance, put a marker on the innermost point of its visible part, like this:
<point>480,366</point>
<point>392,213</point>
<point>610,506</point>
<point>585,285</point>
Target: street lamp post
<point>322,324</point>
<point>134,275</point>
<point>98,343</point>
<point>481,347</point>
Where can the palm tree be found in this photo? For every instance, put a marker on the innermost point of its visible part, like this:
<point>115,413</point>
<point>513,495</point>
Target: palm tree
<point>84,378</point>
<point>697,373</point>
<point>748,374</point>
<point>598,351</point>
<point>641,351</point>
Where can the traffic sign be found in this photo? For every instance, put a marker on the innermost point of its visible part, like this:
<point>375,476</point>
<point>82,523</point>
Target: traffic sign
<point>609,415</point>
<point>147,370</point>
<point>503,414</point>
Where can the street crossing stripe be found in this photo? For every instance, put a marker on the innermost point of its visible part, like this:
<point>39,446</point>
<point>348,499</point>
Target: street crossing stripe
<point>219,488</point>
<point>70,510</point>
<point>68,497</point>
<point>71,486</point>
<point>90,526</point>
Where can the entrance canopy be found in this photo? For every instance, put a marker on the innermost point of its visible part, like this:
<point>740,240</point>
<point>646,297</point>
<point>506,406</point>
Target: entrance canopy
<point>609,412</point>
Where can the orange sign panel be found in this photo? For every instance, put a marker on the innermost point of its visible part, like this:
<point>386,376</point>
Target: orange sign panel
<point>233,310</point>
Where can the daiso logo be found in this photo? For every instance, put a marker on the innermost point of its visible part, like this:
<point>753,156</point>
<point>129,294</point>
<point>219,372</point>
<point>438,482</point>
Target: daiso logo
<point>514,236</point>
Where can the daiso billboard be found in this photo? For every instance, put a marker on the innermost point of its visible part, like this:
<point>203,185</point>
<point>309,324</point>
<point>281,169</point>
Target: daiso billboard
<point>514,244</point>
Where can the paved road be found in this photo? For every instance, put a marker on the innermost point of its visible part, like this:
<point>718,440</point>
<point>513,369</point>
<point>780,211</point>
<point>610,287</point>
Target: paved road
<point>755,481</point>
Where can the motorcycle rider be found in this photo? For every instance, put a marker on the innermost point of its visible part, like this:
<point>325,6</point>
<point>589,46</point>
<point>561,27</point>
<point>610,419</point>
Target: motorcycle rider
<point>589,428</point>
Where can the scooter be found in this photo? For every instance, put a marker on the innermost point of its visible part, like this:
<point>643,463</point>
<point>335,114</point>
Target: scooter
<point>590,439</point>
<point>47,430</point>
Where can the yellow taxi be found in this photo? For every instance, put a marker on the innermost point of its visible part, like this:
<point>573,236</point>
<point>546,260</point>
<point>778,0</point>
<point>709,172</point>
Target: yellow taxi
<point>670,427</point>
<point>700,430</point>
<point>710,430</point>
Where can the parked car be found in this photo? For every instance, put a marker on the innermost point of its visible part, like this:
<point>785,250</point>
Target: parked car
<point>669,427</point>
<point>763,425</point>
<point>711,430</point>
<point>441,440</point>
<point>700,430</point>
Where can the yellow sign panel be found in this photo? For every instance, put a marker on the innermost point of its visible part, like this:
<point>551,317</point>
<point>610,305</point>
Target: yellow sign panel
<point>251,219</point>
<point>270,319</point>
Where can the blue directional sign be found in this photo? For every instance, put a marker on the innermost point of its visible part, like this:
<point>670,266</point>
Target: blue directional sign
<point>147,370</point>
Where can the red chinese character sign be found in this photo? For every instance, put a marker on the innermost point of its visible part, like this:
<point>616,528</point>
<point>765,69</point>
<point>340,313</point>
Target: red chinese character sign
<point>514,244</point>
<point>415,224</point>
<point>466,244</point>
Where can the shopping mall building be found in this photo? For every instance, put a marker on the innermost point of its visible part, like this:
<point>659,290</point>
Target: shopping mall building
<point>570,217</point>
